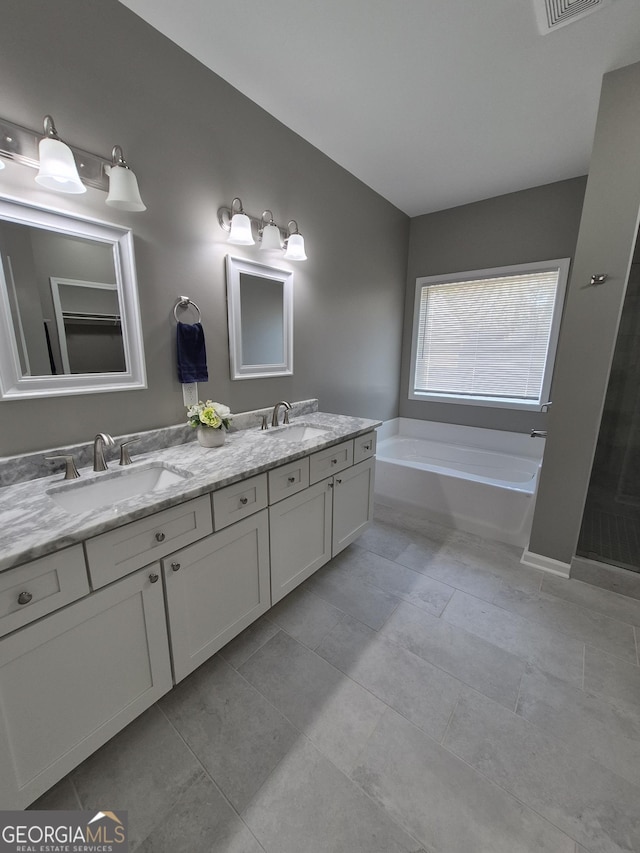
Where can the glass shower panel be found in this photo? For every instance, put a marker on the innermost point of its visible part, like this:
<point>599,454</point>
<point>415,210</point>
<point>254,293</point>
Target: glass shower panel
<point>610,529</point>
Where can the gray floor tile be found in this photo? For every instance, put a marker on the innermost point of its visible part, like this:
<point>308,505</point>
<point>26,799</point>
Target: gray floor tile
<point>245,644</point>
<point>607,730</point>
<point>607,634</point>
<point>609,676</point>
<point>548,650</point>
<point>384,539</point>
<point>361,600</point>
<point>419,691</point>
<point>334,712</point>
<point>308,806</point>
<point>62,797</point>
<point>305,616</point>
<point>477,662</point>
<point>485,553</point>
<point>591,804</point>
<point>600,600</point>
<point>237,735</point>
<point>446,569</point>
<point>425,592</point>
<point>143,770</point>
<point>201,820</point>
<point>417,528</point>
<point>445,803</point>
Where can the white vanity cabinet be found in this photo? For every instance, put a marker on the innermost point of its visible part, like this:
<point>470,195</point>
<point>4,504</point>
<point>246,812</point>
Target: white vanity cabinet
<point>86,645</point>
<point>72,680</point>
<point>216,588</point>
<point>314,525</point>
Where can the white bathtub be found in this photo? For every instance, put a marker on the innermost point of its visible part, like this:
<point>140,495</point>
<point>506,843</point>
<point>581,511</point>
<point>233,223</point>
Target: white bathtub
<point>479,480</point>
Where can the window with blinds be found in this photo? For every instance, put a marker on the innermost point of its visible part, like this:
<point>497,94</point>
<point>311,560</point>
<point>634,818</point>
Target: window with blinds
<point>488,337</point>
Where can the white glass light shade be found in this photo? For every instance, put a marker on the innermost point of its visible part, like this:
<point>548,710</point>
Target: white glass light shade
<point>58,168</point>
<point>123,189</point>
<point>240,233</point>
<point>271,239</point>
<point>295,248</point>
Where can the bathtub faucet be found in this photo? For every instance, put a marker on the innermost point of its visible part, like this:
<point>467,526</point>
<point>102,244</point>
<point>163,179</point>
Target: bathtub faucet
<point>538,433</point>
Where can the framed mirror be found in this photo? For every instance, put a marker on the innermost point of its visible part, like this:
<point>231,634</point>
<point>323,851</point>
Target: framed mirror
<point>260,308</point>
<point>69,312</point>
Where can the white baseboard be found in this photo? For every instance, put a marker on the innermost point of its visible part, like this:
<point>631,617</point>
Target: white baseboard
<point>547,564</point>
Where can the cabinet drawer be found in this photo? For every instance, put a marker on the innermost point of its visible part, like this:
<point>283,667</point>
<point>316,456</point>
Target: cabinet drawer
<point>364,447</point>
<point>42,586</point>
<point>238,501</point>
<point>115,554</point>
<point>327,462</point>
<point>288,480</point>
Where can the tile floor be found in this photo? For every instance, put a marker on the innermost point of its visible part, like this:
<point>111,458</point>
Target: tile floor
<point>422,693</point>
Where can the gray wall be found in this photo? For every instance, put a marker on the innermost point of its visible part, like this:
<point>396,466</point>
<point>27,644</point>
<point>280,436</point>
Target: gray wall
<point>532,225</point>
<point>195,143</point>
<point>605,245</point>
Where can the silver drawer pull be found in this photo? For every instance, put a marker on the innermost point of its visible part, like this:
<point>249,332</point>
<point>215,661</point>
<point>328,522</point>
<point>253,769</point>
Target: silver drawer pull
<point>24,598</point>
<point>244,501</point>
<point>153,577</point>
<point>330,485</point>
<point>334,461</point>
<point>160,537</point>
<point>367,446</point>
<point>175,567</point>
<point>291,479</point>
<point>338,480</point>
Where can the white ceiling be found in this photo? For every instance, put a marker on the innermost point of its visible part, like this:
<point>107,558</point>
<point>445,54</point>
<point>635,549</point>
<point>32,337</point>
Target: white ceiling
<point>432,103</point>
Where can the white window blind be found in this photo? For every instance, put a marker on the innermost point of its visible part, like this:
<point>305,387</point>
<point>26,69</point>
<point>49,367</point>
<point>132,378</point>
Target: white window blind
<point>485,338</point>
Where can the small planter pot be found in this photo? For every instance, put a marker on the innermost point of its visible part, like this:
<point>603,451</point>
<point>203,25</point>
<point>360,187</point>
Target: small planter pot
<point>208,437</point>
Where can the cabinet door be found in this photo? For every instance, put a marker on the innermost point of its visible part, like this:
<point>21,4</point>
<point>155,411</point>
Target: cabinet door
<point>352,504</point>
<point>300,537</point>
<point>215,588</point>
<point>70,681</point>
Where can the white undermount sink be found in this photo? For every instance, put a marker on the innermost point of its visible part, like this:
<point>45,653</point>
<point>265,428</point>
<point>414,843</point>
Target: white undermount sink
<point>115,486</point>
<point>295,432</point>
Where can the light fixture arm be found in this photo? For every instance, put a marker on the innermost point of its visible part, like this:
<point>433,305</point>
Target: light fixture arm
<point>117,157</point>
<point>50,128</point>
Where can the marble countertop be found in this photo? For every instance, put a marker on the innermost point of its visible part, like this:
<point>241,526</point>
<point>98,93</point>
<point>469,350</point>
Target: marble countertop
<point>32,524</point>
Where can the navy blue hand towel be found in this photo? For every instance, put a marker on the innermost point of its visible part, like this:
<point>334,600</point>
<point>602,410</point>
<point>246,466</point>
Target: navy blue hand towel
<point>192,353</point>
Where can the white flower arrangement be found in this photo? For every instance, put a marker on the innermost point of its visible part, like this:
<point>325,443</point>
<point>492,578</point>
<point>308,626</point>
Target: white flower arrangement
<point>209,414</point>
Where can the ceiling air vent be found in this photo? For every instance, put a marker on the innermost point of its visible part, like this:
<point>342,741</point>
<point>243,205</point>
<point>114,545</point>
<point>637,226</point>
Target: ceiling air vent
<point>553,14</point>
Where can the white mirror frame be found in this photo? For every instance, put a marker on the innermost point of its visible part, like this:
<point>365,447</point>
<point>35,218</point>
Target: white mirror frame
<point>239,370</point>
<point>13,384</point>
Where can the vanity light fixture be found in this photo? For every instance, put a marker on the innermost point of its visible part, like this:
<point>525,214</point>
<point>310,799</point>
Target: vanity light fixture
<point>123,184</point>
<point>240,228</point>
<point>272,236</point>
<point>58,169</point>
<point>65,168</point>
<point>294,243</point>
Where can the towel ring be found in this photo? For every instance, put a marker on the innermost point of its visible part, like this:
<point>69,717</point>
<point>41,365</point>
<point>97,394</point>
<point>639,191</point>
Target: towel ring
<point>185,302</point>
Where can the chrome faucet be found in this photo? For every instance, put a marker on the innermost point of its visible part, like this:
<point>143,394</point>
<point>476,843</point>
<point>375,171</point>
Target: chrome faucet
<point>276,410</point>
<point>101,439</point>
<point>538,433</point>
